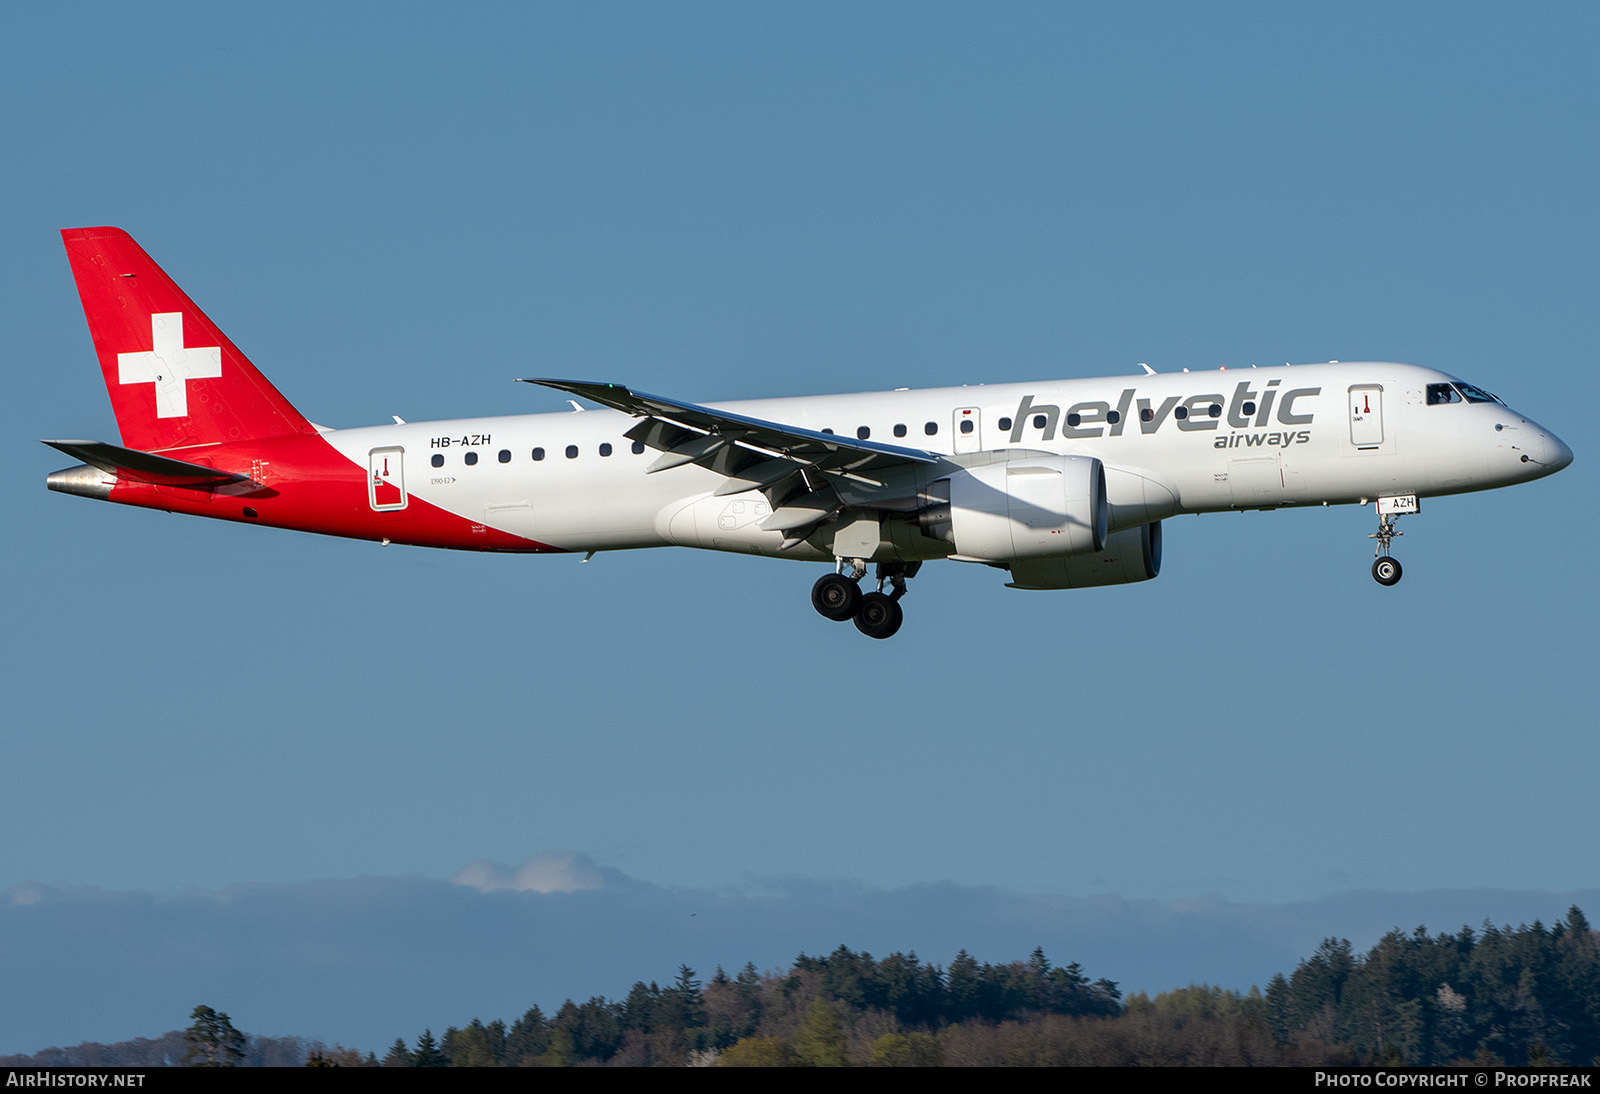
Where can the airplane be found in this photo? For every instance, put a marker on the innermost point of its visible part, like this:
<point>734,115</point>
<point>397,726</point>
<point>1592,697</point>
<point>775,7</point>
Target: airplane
<point>1063,483</point>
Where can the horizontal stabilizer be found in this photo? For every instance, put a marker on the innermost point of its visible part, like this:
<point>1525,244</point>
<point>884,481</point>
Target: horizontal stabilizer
<point>129,463</point>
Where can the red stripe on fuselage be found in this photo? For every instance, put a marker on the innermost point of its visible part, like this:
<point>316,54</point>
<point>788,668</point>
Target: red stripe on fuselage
<point>309,486</point>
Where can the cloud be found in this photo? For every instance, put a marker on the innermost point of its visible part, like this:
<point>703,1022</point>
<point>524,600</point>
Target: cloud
<point>25,894</point>
<point>548,873</point>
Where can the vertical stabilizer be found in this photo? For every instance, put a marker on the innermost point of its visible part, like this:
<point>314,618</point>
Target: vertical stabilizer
<point>173,377</point>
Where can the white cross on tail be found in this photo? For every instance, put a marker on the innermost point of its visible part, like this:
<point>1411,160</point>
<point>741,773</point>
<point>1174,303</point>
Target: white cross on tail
<point>169,365</point>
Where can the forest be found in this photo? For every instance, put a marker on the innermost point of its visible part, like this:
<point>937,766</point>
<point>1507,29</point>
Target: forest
<point>1527,996</point>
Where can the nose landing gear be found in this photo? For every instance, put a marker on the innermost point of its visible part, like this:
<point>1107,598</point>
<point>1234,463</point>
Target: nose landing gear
<point>1385,570</point>
<point>838,596</point>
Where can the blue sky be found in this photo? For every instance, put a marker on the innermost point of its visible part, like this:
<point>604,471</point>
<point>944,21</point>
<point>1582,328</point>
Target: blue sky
<point>400,214</point>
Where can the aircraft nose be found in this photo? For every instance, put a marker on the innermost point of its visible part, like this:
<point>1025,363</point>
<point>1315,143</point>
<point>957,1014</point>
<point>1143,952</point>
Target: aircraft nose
<point>1558,455</point>
<point>1543,452</point>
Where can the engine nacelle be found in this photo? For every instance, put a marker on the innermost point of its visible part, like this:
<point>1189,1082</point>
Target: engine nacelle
<point>1133,554</point>
<point>1021,508</point>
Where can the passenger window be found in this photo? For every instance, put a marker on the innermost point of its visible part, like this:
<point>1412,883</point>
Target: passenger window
<point>572,451</point>
<point>1073,420</point>
<point>1249,408</point>
<point>1039,420</point>
<point>1005,425</point>
<point>966,425</point>
<point>1180,413</point>
<point>605,450</point>
<point>438,460</point>
<point>899,429</point>
<point>827,431</point>
<point>931,428</point>
<point>1146,414</point>
<point>505,455</point>
<point>470,458</point>
<point>538,454</point>
<point>638,448</point>
<point>1215,411</point>
<point>862,432</point>
<point>1113,417</point>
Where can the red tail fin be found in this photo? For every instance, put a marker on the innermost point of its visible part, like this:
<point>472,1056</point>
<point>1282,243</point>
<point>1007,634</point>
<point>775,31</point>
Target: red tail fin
<point>174,378</point>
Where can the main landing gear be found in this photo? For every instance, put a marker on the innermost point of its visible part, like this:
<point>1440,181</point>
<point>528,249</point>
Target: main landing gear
<point>838,596</point>
<point>1385,570</point>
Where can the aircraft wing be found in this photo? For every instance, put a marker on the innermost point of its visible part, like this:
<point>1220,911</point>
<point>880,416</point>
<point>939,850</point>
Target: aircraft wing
<point>809,477</point>
<point>804,445</point>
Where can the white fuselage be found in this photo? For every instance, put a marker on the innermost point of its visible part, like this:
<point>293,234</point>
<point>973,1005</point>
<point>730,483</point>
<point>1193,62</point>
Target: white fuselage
<point>1170,443</point>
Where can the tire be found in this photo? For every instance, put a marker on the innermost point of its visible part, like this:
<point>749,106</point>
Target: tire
<point>879,616</point>
<point>1386,570</point>
<point>836,597</point>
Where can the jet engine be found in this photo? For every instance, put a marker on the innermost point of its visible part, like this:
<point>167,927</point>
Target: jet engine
<point>1133,554</point>
<point>1026,507</point>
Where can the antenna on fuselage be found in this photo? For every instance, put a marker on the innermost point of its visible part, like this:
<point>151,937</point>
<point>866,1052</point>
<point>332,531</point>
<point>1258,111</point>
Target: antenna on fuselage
<point>1148,371</point>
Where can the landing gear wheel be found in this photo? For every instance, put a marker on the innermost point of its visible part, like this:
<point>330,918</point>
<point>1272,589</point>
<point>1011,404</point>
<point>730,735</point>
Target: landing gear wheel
<point>836,597</point>
<point>879,616</point>
<point>1385,570</point>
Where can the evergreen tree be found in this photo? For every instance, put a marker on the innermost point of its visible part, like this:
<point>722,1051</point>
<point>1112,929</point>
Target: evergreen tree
<point>909,989</point>
<point>1278,1018</point>
<point>212,1040</point>
<point>687,985</point>
<point>529,1038</point>
<point>428,1053</point>
<point>732,1008</point>
<point>684,1004</point>
<point>476,1046</point>
<point>642,1008</point>
<point>963,987</point>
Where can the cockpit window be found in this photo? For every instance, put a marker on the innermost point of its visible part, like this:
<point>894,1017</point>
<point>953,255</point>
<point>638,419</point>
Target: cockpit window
<point>1455,393</point>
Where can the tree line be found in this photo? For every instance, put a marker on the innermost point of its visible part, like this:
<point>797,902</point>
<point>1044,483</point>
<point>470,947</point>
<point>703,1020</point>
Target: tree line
<point>1497,995</point>
<point>819,1011</point>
